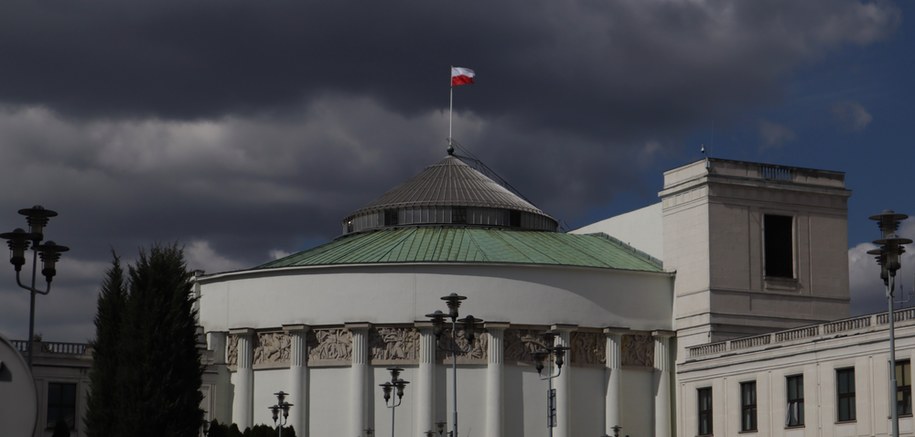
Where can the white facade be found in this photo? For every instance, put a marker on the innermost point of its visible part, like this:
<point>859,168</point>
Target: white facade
<point>362,319</point>
<point>749,251</point>
<point>815,353</point>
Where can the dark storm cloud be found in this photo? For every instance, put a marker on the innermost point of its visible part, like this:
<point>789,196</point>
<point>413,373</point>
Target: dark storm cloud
<point>246,129</point>
<point>607,66</point>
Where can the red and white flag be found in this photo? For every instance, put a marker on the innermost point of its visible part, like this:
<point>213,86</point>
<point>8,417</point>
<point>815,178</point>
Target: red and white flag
<point>461,76</point>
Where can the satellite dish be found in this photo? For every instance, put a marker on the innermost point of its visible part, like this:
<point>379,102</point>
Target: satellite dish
<point>18,395</point>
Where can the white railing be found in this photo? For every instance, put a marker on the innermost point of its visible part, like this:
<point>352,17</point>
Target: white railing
<point>844,326</point>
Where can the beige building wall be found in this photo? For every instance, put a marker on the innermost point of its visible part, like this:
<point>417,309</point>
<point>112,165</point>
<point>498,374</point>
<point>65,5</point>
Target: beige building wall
<point>815,352</point>
<point>714,239</point>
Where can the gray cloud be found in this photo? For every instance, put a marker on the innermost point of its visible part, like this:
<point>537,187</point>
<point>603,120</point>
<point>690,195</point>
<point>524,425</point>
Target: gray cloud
<point>246,130</point>
<point>867,289</point>
<point>851,116</point>
<point>774,135</point>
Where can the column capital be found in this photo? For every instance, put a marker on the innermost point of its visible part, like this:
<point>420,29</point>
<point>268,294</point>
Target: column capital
<point>563,327</point>
<point>296,328</point>
<point>496,325</point>
<point>216,332</point>
<point>663,333</point>
<point>612,330</point>
<point>241,331</point>
<point>423,324</point>
<point>357,325</point>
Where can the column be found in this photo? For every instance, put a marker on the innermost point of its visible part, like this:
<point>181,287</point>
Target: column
<point>424,385</point>
<point>563,384</point>
<point>612,398</point>
<point>358,377</point>
<point>243,402</point>
<point>494,369</point>
<point>298,378</point>
<point>662,410</point>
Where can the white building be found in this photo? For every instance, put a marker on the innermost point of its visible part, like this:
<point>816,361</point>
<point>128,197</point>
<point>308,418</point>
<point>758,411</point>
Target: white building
<point>721,310</point>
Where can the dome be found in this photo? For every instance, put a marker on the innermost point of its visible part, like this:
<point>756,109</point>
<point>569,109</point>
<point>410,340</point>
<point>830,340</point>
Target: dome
<point>449,192</point>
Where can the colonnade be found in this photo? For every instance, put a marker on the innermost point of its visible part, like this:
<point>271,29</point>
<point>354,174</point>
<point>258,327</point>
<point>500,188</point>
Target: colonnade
<point>423,385</point>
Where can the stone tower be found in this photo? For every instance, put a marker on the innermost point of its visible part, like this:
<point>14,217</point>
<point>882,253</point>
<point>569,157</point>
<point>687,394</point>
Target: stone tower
<point>755,247</point>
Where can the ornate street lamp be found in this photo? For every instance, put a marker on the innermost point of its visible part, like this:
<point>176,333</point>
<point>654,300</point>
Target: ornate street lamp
<point>19,241</point>
<point>396,386</point>
<point>469,324</point>
<point>888,257</point>
<point>556,354</point>
<point>281,406</point>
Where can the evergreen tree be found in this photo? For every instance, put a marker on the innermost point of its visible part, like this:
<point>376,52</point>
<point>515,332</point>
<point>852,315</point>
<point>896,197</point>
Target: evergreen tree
<point>101,411</point>
<point>160,368</point>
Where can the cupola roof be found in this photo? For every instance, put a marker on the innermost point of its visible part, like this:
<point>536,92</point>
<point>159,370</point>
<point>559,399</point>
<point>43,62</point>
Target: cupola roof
<point>449,192</point>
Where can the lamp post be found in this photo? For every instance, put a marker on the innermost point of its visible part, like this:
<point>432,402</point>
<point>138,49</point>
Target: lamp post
<point>888,255</point>
<point>469,323</point>
<point>19,241</point>
<point>395,385</point>
<point>556,354</point>
<point>280,406</point>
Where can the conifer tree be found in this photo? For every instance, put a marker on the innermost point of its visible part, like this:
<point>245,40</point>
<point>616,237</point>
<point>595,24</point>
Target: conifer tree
<point>101,411</point>
<point>160,369</point>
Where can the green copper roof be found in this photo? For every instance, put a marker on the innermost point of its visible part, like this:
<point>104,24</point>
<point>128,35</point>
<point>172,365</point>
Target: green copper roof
<point>473,245</point>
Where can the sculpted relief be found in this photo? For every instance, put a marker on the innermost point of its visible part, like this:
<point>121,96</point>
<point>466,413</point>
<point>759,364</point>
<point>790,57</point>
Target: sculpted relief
<point>232,350</point>
<point>394,344</point>
<point>520,343</point>
<point>637,350</point>
<point>272,348</point>
<point>334,344</point>
<point>588,348</point>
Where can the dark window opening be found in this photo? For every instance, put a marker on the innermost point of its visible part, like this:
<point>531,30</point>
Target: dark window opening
<point>514,219</point>
<point>458,214</point>
<point>795,399</point>
<point>705,410</point>
<point>390,217</point>
<point>779,246</point>
<point>845,394</point>
<point>903,388</point>
<point>61,404</point>
<point>748,406</point>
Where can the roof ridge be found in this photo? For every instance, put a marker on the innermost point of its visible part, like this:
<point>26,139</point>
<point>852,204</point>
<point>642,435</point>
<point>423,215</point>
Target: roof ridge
<point>626,246</point>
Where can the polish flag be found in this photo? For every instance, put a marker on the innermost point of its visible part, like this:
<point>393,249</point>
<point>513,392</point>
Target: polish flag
<point>461,76</point>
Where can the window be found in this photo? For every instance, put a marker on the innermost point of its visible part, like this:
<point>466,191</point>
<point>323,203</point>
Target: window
<point>795,389</point>
<point>903,388</point>
<point>845,394</point>
<point>748,406</point>
<point>779,245</point>
<point>705,411</point>
<point>514,219</point>
<point>61,404</point>
<point>458,215</point>
<point>390,217</point>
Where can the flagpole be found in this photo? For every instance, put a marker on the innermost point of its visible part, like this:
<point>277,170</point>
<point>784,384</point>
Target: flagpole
<point>450,109</point>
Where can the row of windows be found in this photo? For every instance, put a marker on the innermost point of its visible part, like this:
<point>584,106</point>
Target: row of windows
<point>794,398</point>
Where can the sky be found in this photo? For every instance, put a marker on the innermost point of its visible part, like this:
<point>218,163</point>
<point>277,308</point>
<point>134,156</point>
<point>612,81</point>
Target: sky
<point>245,131</point>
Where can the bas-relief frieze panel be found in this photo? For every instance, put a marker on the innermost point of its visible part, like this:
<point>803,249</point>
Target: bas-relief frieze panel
<point>467,352</point>
<point>521,343</point>
<point>637,350</point>
<point>271,349</point>
<point>588,348</point>
<point>329,347</point>
<point>388,345</point>
<point>393,345</point>
<point>232,350</point>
